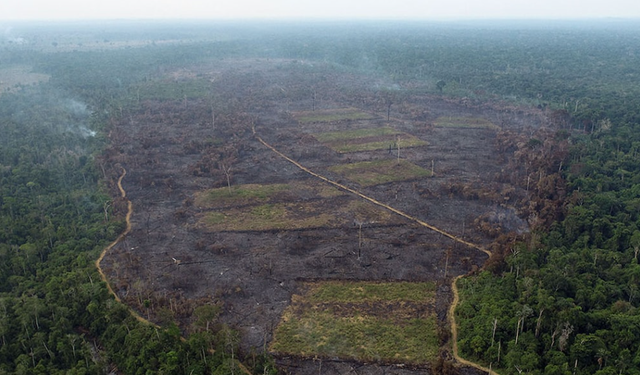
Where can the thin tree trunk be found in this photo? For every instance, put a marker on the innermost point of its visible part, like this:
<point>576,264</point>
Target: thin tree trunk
<point>539,322</point>
<point>493,335</point>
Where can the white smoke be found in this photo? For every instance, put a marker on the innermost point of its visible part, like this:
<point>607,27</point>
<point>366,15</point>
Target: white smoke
<point>80,130</point>
<point>86,132</point>
<point>77,108</point>
<point>79,112</point>
<point>8,36</point>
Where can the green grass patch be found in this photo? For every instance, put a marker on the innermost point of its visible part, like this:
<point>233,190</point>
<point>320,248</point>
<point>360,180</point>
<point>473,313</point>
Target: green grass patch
<point>297,205</point>
<point>268,217</point>
<point>370,173</point>
<point>464,122</point>
<point>368,140</point>
<point>214,218</point>
<point>364,291</point>
<point>293,215</point>
<point>316,324</point>
<point>354,134</point>
<point>408,141</point>
<point>258,194</point>
<point>331,115</point>
<point>364,211</point>
<point>238,194</point>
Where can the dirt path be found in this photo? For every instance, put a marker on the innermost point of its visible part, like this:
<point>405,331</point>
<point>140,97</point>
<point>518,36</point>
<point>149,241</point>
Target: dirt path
<point>374,201</point>
<point>454,287</point>
<point>454,329</point>
<point>122,235</point>
<point>123,194</point>
<point>138,317</point>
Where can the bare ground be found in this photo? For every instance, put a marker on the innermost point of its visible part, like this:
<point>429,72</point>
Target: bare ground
<point>169,260</point>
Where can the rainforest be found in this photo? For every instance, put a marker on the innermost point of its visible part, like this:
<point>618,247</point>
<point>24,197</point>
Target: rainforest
<point>280,197</point>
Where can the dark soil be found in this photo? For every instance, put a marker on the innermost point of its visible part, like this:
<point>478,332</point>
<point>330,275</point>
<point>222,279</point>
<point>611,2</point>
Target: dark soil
<point>165,148</point>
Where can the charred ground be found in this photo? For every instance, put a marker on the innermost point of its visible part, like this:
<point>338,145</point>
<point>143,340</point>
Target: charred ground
<point>177,145</point>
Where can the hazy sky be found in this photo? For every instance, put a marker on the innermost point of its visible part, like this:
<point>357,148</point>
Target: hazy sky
<point>351,9</point>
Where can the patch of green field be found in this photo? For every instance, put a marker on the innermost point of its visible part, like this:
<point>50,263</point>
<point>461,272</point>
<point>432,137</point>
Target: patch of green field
<point>268,217</point>
<point>238,194</point>
<point>316,324</point>
<point>406,142</point>
<point>364,211</point>
<point>257,194</point>
<point>324,190</point>
<point>364,291</point>
<point>331,115</point>
<point>464,122</point>
<point>297,205</point>
<point>354,134</point>
<point>215,218</point>
<point>368,139</point>
<point>293,215</point>
<point>370,173</point>
<point>172,89</point>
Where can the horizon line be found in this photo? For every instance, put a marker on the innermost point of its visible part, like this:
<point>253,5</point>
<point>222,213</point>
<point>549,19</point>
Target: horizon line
<point>327,19</point>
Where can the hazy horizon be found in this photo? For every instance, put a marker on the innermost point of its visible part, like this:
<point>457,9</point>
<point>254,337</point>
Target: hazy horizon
<point>68,10</point>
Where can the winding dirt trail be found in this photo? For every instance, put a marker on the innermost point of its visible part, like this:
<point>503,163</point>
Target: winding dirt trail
<point>454,329</point>
<point>122,235</point>
<point>138,317</point>
<point>454,287</point>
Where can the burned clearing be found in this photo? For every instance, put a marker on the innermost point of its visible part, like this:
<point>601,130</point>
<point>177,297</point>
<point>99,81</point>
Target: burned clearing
<point>220,219</point>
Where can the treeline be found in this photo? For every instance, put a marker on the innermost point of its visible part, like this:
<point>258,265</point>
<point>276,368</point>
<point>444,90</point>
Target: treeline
<point>56,215</point>
<point>565,300</point>
<point>583,68</point>
<point>562,300</point>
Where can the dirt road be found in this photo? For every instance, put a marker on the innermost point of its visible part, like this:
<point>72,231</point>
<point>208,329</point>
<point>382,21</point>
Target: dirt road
<point>454,287</point>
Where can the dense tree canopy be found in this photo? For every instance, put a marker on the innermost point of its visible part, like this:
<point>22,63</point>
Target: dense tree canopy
<point>563,300</point>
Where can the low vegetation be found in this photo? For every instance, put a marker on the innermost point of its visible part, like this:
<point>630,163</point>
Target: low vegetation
<point>364,291</point>
<point>296,215</point>
<point>15,76</point>
<point>352,320</point>
<point>268,217</point>
<point>368,139</point>
<point>331,115</point>
<point>369,173</point>
<point>238,194</point>
<point>347,135</point>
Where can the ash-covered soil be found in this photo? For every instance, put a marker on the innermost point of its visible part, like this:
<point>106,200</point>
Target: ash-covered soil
<point>174,149</point>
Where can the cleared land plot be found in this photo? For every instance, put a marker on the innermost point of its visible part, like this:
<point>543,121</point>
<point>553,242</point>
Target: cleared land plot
<point>368,140</point>
<point>464,122</point>
<point>331,115</point>
<point>282,206</point>
<point>370,173</point>
<point>19,75</point>
<point>239,195</point>
<point>389,322</point>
